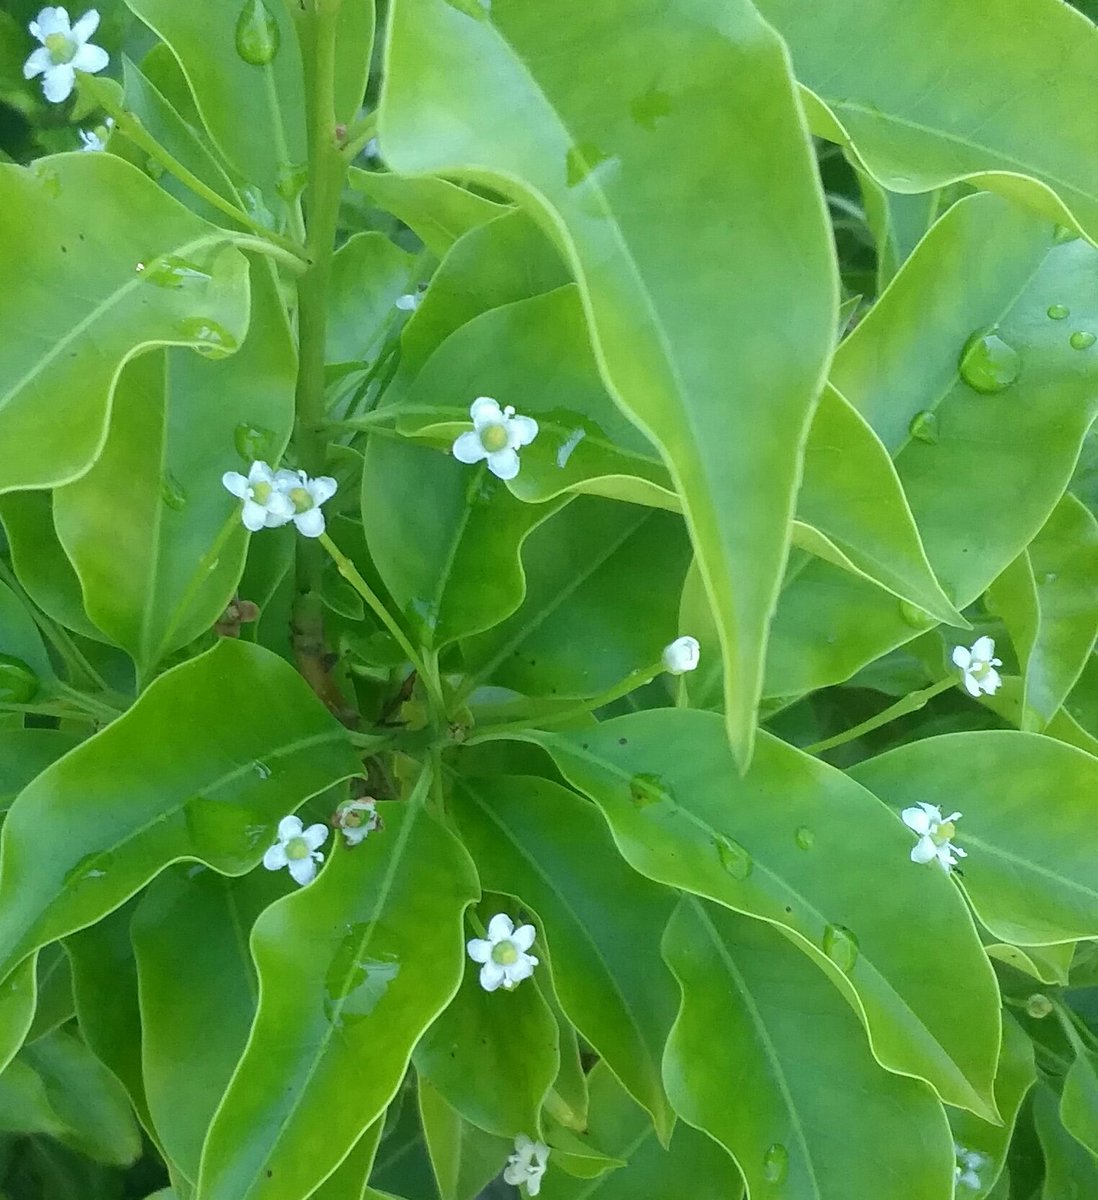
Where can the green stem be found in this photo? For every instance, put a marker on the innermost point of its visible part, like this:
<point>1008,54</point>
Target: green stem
<point>258,245</point>
<point>901,708</point>
<point>97,707</point>
<point>50,710</point>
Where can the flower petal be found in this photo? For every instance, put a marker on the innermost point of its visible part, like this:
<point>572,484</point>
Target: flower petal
<point>533,1183</point>
<point>235,483</point>
<point>491,976</point>
<point>284,479</point>
<point>924,850</point>
<point>303,870</point>
<point>280,506</point>
<point>916,819</point>
<point>40,60</point>
<point>485,411</point>
<point>479,950</point>
<point>90,59</point>
<point>322,488</point>
<point>984,648</point>
<point>85,27</point>
<point>499,927</point>
<point>275,858</point>
<point>523,430</point>
<point>253,515</point>
<point>523,937</point>
<point>504,464</point>
<point>315,836</point>
<point>57,83</point>
<point>310,523</point>
<point>962,657</point>
<point>289,827</point>
<point>991,682</point>
<point>51,20</point>
<point>971,686</point>
<point>514,1174</point>
<point>522,969</point>
<point>467,448</point>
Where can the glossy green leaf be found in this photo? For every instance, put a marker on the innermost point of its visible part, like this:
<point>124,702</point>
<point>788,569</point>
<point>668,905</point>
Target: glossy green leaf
<point>357,965</point>
<point>465,1159</point>
<point>403,1165</point>
<point>25,668</point>
<point>198,995</point>
<point>162,276</point>
<point>26,753</point>
<point>913,134</point>
<point>985,264</point>
<point>438,212</point>
<point>495,1083</point>
<point>54,1004</point>
<point>348,1180</point>
<point>1079,1101</point>
<point>1070,1171</point>
<point>692,1165</point>
<point>1049,964</point>
<point>18,997</point>
<point>897,222</point>
<point>24,1105</point>
<point>88,1100</point>
<point>745,991</point>
<point>601,921</point>
<point>590,616</point>
<point>444,537</point>
<point>1026,802</point>
<point>797,843</point>
<point>254,112</point>
<point>369,274</point>
<point>597,175</point>
<point>159,560</point>
<point>1013,1080</point>
<point>117,810</point>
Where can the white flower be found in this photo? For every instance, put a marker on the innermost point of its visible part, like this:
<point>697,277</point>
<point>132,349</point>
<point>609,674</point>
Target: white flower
<point>503,954</point>
<point>297,848</point>
<point>306,496</point>
<point>681,656</point>
<point>96,139</point>
<point>978,666</point>
<point>496,436</point>
<point>527,1164</point>
<point>357,819</point>
<point>266,506</point>
<point>969,1165</point>
<point>409,302</point>
<point>65,50</point>
<point>934,832</point>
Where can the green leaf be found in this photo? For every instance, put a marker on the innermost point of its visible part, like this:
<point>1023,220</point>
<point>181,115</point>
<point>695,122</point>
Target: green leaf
<point>1013,1080</point>
<point>25,667</point>
<point>496,1083</point>
<point>53,981</point>
<point>1047,599</point>
<point>445,538</point>
<point>18,996</point>
<point>912,134</point>
<point>369,274</point>
<point>198,996</point>
<point>90,1103</point>
<point>348,1180</point>
<point>24,1105</point>
<point>598,177</point>
<point>255,113</point>
<point>976,509</point>
<point>356,965</point>
<point>590,616</point>
<point>797,843</point>
<point>897,223</point>
<point>1029,873</point>
<point>692,1165</point>
<point>745,991</point>
<point>465,1159</point>
<point>25,754</point>
<point>160,276</point>
<point>160,559</point>
<point>1049,964</point>
<point>249,743</point>
<point>436,211</point>
<point>601,921</point>
<point>1070,1170</point>
<point>1079,1101</point>
<point>354,48</point>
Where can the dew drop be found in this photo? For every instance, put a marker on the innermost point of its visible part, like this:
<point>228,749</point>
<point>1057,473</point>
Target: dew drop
<point>214,340</point>
<point>171,271</point>
<point>988,364</point>
<point>841,946</point>
<point>916,617</point>
<point>924,427</point>
<point>253,443</point>
<point>261,769</point>
<point>1058,311</point>
<point>776,1163</point>
<point>1038,1006</point>
<point>154,169</point>
<point>18,683</point>
<point>172,493</point>
<point>291,182</point>
<point>734,858</point>
<point>257,34</point>
<point>806,839</point>
<point>1082,339</point>
<point>646,789</point>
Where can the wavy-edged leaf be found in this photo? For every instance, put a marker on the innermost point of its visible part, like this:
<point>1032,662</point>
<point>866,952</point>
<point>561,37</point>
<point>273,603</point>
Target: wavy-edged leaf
<point>1079,1101</point>
<point>357,965</point>
<point>348,1180</point>
<point>105,286</point>
<point>1049,964</point>
<point>31,670</point>
<point>799,844</point>
<point>53,982</point>
<point>913,97</point>
<point>118,809</point>
<point>634,230</point>
<point>18,997</point>
<point>1028,812</point>
<point>1070,1169</point>
<point>540,842</point>
<point>26,753</point>
<point>746,993</point>
<point>985,264</point>
<point>464,1158</point>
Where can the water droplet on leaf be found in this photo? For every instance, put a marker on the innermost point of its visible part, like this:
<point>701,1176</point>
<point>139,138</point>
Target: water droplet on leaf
<point>734,858</point>
<point>915,616</point>
<point>172,493</point>
<point>924,427</point>
<point>806,839</point>
<point>291,182</point>
<point>1038,1006</point>
<point>649,108</point>
<point>1082,339</point>
<point>355,984</point>
<point>257,34</point>
<point>18,683</point>
<point>171,271</point>
<point>1058,311</point>
<point>214,340</point>
<point>646,789</point>
<point>776,1164</point>
<point>841,946</point>
<point>988,364</point>
<point>253,443</point>
<point>261,769</point>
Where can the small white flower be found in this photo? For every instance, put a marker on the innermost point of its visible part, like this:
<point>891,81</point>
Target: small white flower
<point>527,1164</point>
<point>503,954</point>
<point>65,50</point>
<point>357,819</point>
<point>306,496</point>
<point>409,302</point>
<point>96,139</point>
<point>297,848</point>
<point>935,832</point>
<point>978,666</point>
<point>496,436</point>
<point>969,1165</point>
<point>266,506</point>
<point>681,656</point>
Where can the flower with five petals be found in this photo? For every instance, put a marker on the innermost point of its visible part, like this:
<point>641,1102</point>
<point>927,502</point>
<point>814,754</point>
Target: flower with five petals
<point>504,954</point>
<point>306,496</point>
<point>266,506</point>
<point>496,436</point>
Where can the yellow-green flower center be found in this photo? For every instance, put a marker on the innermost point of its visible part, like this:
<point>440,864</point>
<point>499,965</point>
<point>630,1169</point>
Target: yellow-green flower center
<point>302,501</point>
<point>261,492</point>
<point>352,818</point>
<point>505,953</point>
<point>493,438</point>
<point>62,49</point>
<point>943,833</point>
<point>297,848</point>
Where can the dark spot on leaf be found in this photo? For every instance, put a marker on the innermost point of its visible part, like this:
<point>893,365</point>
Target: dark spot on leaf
<point>623,741</point>
<point>64,249</point>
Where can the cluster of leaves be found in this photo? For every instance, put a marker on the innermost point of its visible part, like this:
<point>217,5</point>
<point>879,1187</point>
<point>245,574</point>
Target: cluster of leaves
<point>804,300</point>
